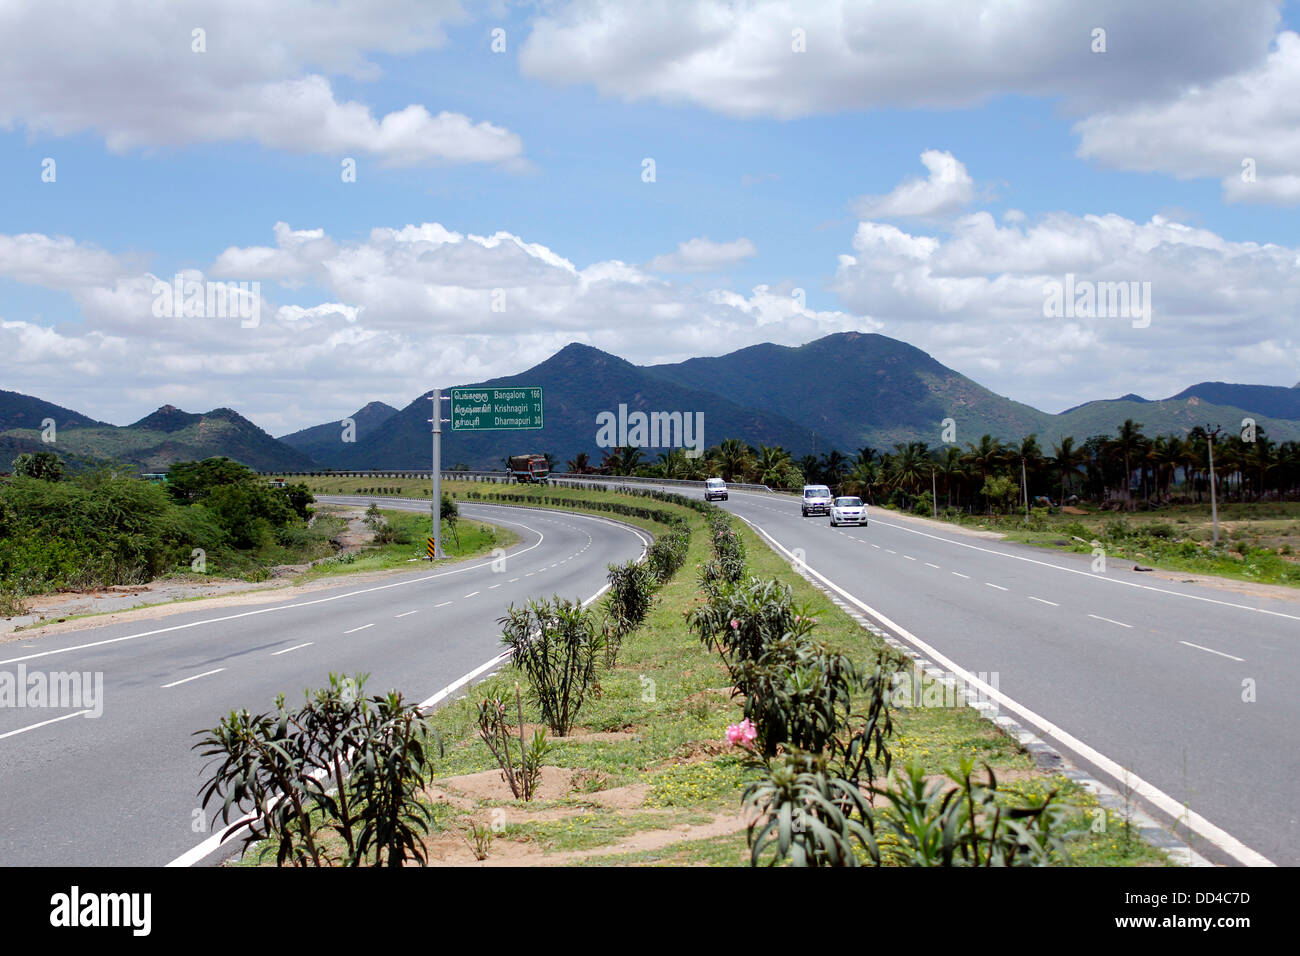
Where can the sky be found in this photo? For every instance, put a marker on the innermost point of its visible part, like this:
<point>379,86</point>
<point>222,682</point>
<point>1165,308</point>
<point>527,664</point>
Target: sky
<point>396,194</point>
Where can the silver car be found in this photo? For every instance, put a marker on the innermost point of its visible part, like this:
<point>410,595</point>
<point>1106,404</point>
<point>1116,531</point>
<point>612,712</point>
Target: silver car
<point>848,511</point>
<point>816,500</point>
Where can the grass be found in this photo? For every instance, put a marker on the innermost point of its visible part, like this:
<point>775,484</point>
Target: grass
<point>409,547</point>
<point>668,703</point>
<point>670,698</point>
<point>1257,542</point>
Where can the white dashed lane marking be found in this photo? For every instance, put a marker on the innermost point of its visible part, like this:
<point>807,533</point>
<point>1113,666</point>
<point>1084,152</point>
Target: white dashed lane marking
<point>361,628</point>
<point>1213,651</point>
<point>1109,621</point>
<point>295,647</point>
<point>186,680</point>
<point>1041,601</point>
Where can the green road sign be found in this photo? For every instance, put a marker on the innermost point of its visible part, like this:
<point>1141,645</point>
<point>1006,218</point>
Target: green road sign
<point>494,409</point>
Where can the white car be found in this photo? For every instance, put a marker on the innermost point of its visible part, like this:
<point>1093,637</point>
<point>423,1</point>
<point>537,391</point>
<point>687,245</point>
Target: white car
<point>848,511</point>
<point>816,500</point>
<point>715,488</point>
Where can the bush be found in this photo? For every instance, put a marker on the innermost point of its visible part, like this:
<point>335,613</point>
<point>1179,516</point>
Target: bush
<point>342,764</point>
<point>630,597</point>
<point>555,644</point>
<point>668,553</point>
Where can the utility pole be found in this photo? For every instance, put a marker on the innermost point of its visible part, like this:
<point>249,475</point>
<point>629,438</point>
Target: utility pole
<point>1024,484</point>
<point>1214,504</point>
<point>435,504</point>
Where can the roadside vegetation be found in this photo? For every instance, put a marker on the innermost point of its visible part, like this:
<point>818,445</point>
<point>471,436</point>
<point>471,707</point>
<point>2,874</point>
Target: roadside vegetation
<point>735,692</point>
<point>210,519</point>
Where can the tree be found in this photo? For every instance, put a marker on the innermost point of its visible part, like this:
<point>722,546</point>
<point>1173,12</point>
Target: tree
<point>1067,458</point>
<point>580,464</point>
<point>999,490</point>
<point>734,459</point>
<point>1126,446</point>
<point>983,457</point>
<point>449,512</point>
<point>44,465</point>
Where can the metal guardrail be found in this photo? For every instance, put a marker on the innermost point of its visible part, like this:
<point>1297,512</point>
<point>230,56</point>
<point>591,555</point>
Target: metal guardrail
<point>503,477</point>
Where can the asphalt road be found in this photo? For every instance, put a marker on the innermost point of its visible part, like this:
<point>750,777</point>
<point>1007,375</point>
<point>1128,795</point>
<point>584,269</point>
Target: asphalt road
<point>120,788</point>
<point>1122,670</point>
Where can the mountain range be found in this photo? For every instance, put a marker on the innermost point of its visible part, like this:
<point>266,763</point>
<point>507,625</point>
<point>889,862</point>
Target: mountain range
<point>843,391</point>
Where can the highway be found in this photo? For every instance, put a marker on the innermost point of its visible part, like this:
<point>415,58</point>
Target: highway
<point>120,788</point>
<point>1191,689</point>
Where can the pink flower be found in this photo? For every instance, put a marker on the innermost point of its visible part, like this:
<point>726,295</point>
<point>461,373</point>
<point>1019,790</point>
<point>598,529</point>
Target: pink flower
<point>742,733</point>
<point>735,624</point>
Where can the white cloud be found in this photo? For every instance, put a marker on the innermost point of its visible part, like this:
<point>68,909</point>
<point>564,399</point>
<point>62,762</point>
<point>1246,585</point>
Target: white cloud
<point>1243,130</point>
<point>738,58</point>
<point>403,308</point>
<point>947,189</point>
<point>127,70</point>
<point>702,255</point>
<point>975,300</point>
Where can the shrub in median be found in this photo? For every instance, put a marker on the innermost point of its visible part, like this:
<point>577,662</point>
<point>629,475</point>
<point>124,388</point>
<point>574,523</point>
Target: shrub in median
<point>555,644</point>
<point>342,764</point>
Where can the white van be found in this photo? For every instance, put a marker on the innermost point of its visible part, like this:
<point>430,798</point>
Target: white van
<point>715,488</point>
<point>816,500</point>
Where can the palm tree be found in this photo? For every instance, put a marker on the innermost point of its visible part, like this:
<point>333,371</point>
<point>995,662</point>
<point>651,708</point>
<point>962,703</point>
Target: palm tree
<point>672,463</point>
<point>862,480</point>
<point>580,464</point>
<point>983,457</point>
<point>1127,445</point>
<point>772,464</point>
<point>621,461</point>
<point>812,472</point>
<point>950,467</point>
<point>833,467</point>
<point>1067,458</point>
<point>733,458</point>
<point>909,465</point>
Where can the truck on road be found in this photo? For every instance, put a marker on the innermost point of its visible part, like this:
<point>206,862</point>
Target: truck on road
<point>530,468</point>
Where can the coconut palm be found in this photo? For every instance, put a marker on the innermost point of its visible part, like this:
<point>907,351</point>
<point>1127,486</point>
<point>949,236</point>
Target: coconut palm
<point>1127,445</point>
<point>1068,459</point>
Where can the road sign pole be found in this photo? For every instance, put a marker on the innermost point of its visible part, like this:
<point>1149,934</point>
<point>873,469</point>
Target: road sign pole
<point>435,504</point>
<point>1214,502</point>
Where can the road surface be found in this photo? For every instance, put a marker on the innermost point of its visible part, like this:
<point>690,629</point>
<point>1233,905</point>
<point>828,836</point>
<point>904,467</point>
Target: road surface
<point>119,789</point>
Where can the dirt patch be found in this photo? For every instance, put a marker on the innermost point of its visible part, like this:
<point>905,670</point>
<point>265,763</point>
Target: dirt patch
<point>450,849</point>
<point>1071,510</point>
<point>620,798</point>
<point>555,783</point>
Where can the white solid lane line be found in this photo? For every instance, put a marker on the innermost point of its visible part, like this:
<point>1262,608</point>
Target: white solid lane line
<point>1041,601</point>
<point>408,613</point>
<point>1109,620</point>
<point>195,677</point>
<point>1090,574</point>
<point>361,628</point>
<point>43,723</point>
<point>283,607</point>
<point>296,647</point>
<point>1176,809</point>
<point>1213,651</point>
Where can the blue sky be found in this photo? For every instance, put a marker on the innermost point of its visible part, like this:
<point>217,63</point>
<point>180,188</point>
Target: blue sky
<point>784,171</point>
